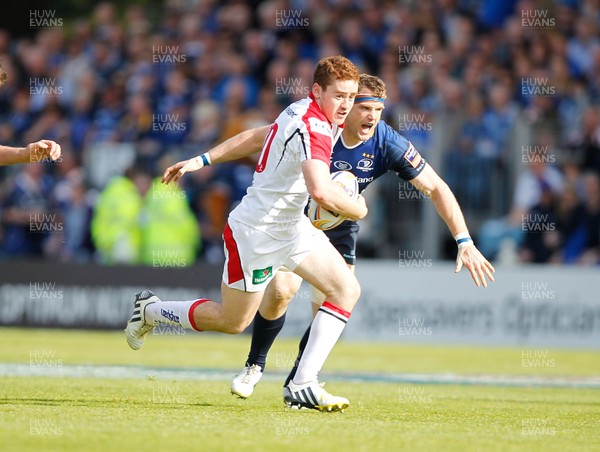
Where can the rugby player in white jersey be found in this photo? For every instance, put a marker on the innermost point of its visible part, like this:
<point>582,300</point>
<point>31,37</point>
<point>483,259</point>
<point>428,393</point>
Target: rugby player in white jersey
<point>33,152</point>
<point>364,134</point>
<point>268,230</point>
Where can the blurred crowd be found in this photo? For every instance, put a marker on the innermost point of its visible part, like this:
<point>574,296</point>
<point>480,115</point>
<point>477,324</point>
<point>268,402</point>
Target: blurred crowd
<point>513,85</point>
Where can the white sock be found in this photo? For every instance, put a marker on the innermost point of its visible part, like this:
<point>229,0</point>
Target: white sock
<point>173,313</point>
<point>325,330</point>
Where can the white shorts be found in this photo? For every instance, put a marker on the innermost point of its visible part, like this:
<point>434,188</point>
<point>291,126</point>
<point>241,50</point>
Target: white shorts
<point>253,257</point>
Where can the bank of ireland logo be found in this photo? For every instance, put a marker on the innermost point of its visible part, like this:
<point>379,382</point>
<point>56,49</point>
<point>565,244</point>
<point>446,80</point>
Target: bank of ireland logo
<point>342,166</point>
<point>261,275</point>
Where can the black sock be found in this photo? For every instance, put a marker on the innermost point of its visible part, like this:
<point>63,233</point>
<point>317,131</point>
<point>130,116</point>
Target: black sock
<point>264,333</point>
<point>301,348</point>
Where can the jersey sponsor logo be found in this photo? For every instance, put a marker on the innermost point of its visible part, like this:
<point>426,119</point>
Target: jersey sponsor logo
<point>318,126</point>
<point>291,112</point>
<point>342,165</point>
<point>364,180</point>
<point>412,156</point>
<point>365,165</point>
<point>260,275</point>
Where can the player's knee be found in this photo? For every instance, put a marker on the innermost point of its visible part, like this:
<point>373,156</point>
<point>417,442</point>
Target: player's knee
<point>350,288</point>
<point>348,291</point>
<point>283,288</point>
<point>353,290</point>
<point>283,295</point>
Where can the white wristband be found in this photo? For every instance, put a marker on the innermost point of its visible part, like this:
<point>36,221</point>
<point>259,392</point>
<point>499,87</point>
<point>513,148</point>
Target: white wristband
<point>463,239</point>
<point>204,160</point>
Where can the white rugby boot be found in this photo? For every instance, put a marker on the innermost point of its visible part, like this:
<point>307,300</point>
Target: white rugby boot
<point>312,395</point>
<point>137,328</point>
<point>243,383</point>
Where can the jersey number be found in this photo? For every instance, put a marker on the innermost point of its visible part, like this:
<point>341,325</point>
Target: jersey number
<point>264,155</point>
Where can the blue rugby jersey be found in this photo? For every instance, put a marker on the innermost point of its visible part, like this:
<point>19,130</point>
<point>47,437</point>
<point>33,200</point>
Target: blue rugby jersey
<point>385,151</point>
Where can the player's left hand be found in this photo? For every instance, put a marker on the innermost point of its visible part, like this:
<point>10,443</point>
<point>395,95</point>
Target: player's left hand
<point>479,267</point>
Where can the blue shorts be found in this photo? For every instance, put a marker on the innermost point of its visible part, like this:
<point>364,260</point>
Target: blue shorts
<point>344,238</point>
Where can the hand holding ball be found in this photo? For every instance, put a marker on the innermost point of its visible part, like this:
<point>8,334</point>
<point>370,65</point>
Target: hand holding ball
<point>324,219</point>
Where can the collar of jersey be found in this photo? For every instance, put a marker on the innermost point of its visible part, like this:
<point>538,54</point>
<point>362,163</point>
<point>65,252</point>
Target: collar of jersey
<point>352,147</point>
<point>316,108</point>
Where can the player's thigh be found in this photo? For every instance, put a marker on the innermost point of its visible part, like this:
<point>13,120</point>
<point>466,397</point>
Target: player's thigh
<point>252,257</point>
<point>238,308</point>
<point>280,291</point>
<point>325,269</point>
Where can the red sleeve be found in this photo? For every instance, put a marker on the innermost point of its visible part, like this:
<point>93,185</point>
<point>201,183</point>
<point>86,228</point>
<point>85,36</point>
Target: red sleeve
<point>318,144</point>
<point>320,147</point>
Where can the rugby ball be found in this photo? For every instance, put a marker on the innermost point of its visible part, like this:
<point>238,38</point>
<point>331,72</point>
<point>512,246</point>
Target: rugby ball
<point>324,219</point>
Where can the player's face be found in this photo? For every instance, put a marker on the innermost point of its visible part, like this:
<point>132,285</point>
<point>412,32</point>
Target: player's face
<point>363,118</point>
<point>336,99</point>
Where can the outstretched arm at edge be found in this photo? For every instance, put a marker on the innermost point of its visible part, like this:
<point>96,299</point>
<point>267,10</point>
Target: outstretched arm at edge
<point>33,152</point>
<point>242,145</point>
<point>432,185</point>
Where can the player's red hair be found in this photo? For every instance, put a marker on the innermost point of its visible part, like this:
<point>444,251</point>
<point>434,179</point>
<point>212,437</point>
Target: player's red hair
<point>334,68</point>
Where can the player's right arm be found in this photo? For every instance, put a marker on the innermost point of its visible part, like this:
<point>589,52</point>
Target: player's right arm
<point>242,145</point>
<point>33,152</point>
<point>328,194</point>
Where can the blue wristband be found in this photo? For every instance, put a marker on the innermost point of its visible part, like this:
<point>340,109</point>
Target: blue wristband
<point>463,240</point>
<point>205,161</point>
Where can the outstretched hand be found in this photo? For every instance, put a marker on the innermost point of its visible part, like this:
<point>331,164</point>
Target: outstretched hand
<point>175,172</point>
<point>479,267</point>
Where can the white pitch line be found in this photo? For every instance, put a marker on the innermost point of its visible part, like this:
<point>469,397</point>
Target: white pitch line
<point>57,370</point>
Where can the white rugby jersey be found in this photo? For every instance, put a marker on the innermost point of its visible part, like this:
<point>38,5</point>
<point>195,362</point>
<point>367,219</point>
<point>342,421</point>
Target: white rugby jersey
<point>276,199</point>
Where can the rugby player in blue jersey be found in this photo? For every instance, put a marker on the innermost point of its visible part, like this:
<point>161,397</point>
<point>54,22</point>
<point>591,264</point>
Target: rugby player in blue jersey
<point>369,148</point>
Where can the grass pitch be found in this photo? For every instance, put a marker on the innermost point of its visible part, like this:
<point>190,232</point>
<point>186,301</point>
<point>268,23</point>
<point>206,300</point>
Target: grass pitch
<point>42,413</point>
